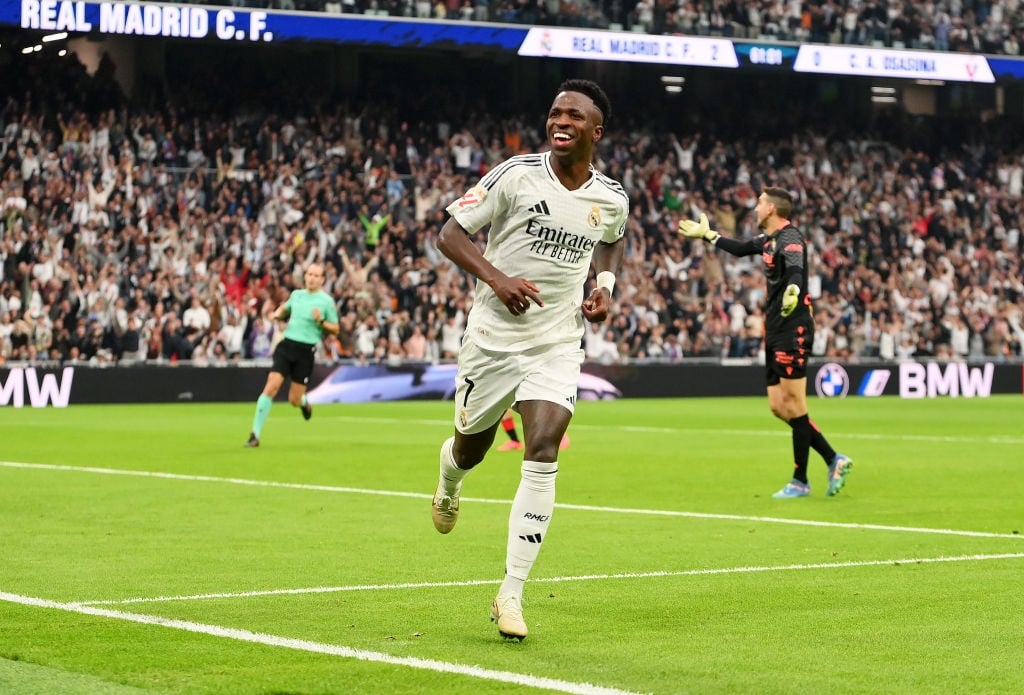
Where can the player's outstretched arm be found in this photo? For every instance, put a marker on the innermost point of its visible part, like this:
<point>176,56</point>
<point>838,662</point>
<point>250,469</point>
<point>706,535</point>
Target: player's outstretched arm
<point>698,230</point>
<point>703,230</point>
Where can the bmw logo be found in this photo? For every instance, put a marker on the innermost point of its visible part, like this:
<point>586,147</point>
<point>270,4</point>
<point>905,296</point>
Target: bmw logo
<point>832,381</point>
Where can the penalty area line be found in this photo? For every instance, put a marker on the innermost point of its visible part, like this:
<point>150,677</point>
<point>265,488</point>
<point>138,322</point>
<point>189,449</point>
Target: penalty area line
<point>523,679</point>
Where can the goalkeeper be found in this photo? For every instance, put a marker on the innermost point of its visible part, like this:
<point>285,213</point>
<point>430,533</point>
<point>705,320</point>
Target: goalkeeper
<point>789,330</point>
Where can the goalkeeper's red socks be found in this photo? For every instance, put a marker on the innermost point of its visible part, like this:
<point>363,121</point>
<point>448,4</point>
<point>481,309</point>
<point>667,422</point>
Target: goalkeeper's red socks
<point>509,424</point>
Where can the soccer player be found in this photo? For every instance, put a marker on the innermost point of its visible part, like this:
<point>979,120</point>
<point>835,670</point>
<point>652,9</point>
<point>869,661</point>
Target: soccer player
<point>508,423</point>
<point>789,330</point>
<point>311,313</point>
<point>551,217</point>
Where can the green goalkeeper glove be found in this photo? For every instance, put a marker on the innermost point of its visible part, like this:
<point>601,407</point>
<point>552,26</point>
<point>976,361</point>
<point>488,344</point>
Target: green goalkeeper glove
<point>698,230</point>
<point>789,299</point>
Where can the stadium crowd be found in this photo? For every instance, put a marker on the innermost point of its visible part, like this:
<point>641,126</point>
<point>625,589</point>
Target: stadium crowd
<point>974,26</point>
<point>130,235</point>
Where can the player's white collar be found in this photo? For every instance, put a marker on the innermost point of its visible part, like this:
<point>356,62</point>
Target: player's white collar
<point>554,177</point>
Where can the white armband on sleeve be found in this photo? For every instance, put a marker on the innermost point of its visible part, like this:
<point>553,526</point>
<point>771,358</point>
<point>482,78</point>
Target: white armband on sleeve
<point>606,280</point>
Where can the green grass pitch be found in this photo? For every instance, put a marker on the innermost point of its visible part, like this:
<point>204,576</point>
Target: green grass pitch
<point>144,550</point>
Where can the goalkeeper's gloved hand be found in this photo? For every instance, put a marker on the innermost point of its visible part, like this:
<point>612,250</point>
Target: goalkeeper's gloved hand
<point>698,230</point>
<point>789,299</point>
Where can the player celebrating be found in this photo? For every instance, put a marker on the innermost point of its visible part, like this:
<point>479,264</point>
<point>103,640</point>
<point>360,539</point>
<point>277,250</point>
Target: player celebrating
<point>789,330</point>
<point>310,313</point>
<point>551,215</point>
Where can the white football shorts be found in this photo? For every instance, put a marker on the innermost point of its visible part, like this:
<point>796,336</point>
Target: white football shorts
<point>489,382</point>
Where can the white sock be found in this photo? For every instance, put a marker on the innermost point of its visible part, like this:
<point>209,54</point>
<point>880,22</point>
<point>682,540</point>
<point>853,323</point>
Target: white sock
<point>451,475</point>
<point>528,523</point>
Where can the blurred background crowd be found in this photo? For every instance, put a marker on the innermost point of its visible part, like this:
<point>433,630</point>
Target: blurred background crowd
<point>133,233</point>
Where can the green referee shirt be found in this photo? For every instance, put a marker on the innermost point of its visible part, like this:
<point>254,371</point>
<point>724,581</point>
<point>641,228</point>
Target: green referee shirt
<point>302,327</point>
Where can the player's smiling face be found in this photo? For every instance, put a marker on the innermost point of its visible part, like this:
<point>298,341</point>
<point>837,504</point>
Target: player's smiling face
<point>574,123</point>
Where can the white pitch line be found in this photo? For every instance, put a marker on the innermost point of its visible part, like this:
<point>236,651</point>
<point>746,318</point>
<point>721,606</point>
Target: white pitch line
<point>772,432</point>
<point>780,520</point>
<point>212,479</point>
<point>322,648</point>
<point>482,500</point>
<point>541,580</point>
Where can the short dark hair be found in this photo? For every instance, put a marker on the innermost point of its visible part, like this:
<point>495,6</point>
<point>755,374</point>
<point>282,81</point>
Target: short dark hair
<point>592,90</point>
<point>781,199</point>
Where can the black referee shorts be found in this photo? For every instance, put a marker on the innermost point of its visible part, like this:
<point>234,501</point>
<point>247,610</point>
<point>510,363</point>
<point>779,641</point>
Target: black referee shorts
<point>294,360</point>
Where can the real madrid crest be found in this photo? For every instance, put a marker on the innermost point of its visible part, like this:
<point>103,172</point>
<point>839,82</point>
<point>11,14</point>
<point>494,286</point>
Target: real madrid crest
<point>594,218</point>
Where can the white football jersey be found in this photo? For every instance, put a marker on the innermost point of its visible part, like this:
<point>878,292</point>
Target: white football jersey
<point>544,233</point>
